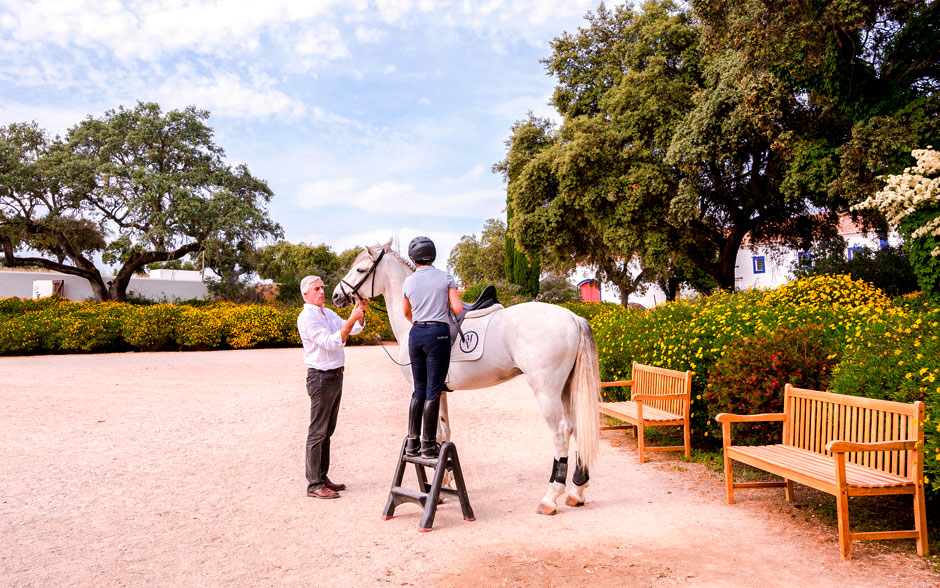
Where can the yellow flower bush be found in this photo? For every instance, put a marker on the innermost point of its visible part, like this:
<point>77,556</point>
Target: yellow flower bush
<point>53,325</point>
<point>881,348</point>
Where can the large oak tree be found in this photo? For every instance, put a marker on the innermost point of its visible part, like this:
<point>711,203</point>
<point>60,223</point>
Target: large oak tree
<point>133,187</point>
<point>684,132</point>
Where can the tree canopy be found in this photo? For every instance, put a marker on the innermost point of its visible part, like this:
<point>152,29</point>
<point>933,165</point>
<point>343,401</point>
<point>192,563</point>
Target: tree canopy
<point>288,264</point>
<point>686,129</point>
<point>480,260</point>
<point>135,186</point>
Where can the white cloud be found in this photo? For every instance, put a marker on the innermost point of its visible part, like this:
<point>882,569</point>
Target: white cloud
<point>55,120</point>
<point>517,108</point>
<point>424,100</point>
<point>369,35</point>
<point>324,40</point>
<point>389,69</point>
<point>392,197</point>
<point>444,241</point>
<point>392,11</point>
<point>228,95</point>
<point>147,30</point>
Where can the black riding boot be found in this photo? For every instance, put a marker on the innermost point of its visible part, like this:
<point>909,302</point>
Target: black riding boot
<point>412,448</point>
<point>429,446</point>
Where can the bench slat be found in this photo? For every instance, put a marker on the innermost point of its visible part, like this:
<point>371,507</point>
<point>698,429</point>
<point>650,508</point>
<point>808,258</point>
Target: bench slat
<point>627,409</point>
<point>822,467</point>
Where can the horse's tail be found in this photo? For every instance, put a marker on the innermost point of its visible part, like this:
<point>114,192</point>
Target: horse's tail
<point>585,394</point>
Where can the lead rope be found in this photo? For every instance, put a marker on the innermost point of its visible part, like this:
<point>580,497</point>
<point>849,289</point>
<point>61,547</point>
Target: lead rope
<point>378,338</point>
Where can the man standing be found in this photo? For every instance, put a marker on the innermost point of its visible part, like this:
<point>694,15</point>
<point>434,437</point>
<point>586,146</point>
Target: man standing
<point>323,334</point>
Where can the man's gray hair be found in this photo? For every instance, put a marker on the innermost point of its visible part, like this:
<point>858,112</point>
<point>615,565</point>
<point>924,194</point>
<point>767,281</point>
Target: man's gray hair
<point>307,282</point>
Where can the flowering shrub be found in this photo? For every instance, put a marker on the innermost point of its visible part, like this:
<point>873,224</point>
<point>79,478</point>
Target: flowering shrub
<point>911,202</point>
<point>695,334</point>
<point>589,310</point>
<point>51,325</point>
<point>898,358</point>
<point>750,378</point>
<point>92,326</point>
<point>151,328</point>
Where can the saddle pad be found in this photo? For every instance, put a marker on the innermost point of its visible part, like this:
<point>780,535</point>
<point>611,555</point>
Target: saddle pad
<point>470,348</point>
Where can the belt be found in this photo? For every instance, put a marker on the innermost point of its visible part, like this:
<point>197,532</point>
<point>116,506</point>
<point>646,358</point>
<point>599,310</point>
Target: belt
<point>338,370</point>
<point>436,323</point>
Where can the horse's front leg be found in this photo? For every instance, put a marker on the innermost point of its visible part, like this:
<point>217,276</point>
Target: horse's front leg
<point>556,483</point>
<point>443,425</point>
<point>443,434</point>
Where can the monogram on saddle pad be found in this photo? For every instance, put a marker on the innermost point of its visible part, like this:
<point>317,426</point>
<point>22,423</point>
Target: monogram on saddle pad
<point>468,331</point>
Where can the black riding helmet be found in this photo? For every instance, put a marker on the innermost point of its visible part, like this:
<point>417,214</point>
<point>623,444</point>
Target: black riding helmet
<point>421,250</point>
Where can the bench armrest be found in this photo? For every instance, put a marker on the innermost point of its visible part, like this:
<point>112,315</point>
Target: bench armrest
<point>846,446</point>
<point>641,397</point>
<point>727,417</point>
<point>617,383</point>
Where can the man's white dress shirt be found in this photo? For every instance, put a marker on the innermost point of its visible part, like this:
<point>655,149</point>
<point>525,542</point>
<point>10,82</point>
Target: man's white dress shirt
<point>319,332</point>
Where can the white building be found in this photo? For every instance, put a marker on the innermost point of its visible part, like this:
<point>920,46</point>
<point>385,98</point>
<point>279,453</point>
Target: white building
<point>169,285</point>
<point>758,267</point>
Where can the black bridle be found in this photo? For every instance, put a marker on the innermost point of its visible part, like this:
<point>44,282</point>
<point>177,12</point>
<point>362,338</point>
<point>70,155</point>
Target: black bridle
<point>354,290</point>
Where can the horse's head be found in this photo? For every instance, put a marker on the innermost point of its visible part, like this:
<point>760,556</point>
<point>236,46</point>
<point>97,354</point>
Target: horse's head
<point>360,280</point>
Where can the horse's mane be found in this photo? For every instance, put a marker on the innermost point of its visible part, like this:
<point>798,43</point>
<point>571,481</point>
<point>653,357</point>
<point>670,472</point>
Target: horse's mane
<point>388,249</point>
<point>406,262</point>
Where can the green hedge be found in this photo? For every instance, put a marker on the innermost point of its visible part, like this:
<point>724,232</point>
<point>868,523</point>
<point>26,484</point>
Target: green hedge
<point>54,325</point>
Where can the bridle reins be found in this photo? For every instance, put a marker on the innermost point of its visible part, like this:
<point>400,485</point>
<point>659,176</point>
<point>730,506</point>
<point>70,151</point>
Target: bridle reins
<point>354,290</point>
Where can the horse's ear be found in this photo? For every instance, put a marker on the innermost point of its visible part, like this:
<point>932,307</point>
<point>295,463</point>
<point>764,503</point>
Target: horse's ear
<point>373,251</point>
<point>388,244</point>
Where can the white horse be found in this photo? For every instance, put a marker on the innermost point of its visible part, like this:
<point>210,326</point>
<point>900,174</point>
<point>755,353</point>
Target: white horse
<point>552,346</point>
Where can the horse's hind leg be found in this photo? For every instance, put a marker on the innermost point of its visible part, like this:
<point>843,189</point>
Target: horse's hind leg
<point>556,417</point>
<point>580,482</point>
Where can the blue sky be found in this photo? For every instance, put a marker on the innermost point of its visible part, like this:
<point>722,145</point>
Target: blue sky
<point>368,119</point>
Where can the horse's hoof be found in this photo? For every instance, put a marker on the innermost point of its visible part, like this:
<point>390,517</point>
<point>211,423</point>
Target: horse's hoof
<point>572,501</point>
<point>546,510</point>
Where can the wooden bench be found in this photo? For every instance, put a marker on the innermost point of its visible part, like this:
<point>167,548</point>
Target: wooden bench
<point>659,398</point>
<point>844,446</point>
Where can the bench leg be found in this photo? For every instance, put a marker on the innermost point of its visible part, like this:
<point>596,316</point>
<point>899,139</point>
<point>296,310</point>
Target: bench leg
<point>729,480</point>
<point>789,491</point>
<point>920,520</point>
<point>687,435</point>
<point>641,444</point>
<point>845,533</point>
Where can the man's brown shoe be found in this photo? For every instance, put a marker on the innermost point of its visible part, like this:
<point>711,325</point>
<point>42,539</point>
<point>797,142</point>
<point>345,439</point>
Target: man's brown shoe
<point>334,487</point>
<point>322,492</point>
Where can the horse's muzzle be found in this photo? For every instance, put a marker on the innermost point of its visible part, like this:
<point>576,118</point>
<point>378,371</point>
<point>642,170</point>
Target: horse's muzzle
<point>340,299</point>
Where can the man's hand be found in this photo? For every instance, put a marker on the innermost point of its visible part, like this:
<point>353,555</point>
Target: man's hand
<point>358,313</point>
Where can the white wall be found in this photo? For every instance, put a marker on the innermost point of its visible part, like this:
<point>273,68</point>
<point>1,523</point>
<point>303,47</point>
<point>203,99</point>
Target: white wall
<point>777,267</point>
<point>20,284</point>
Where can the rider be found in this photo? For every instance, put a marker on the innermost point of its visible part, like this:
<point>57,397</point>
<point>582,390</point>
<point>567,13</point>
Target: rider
<point>429,293</point>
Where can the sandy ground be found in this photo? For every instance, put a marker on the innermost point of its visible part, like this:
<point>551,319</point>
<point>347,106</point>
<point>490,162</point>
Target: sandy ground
<point>186,469</point>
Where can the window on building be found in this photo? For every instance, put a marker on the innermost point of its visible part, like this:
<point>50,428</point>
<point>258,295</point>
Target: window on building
<point>852,251</point>
<point>883,242</point>
<point>759,264</point>
<point>805,258</point>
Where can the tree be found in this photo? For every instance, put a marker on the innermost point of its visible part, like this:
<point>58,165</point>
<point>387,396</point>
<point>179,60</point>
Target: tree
<point>288,264</point>
<point>595,191</point>
<point>135,186</point>
<point>475,261</point>
<point>685,132</point>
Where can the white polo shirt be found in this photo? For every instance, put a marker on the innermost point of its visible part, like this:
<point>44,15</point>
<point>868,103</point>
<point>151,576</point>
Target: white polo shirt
<point>323,343</point>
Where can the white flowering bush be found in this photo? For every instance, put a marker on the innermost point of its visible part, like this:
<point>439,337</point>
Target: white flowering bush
<point>911,202</point>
